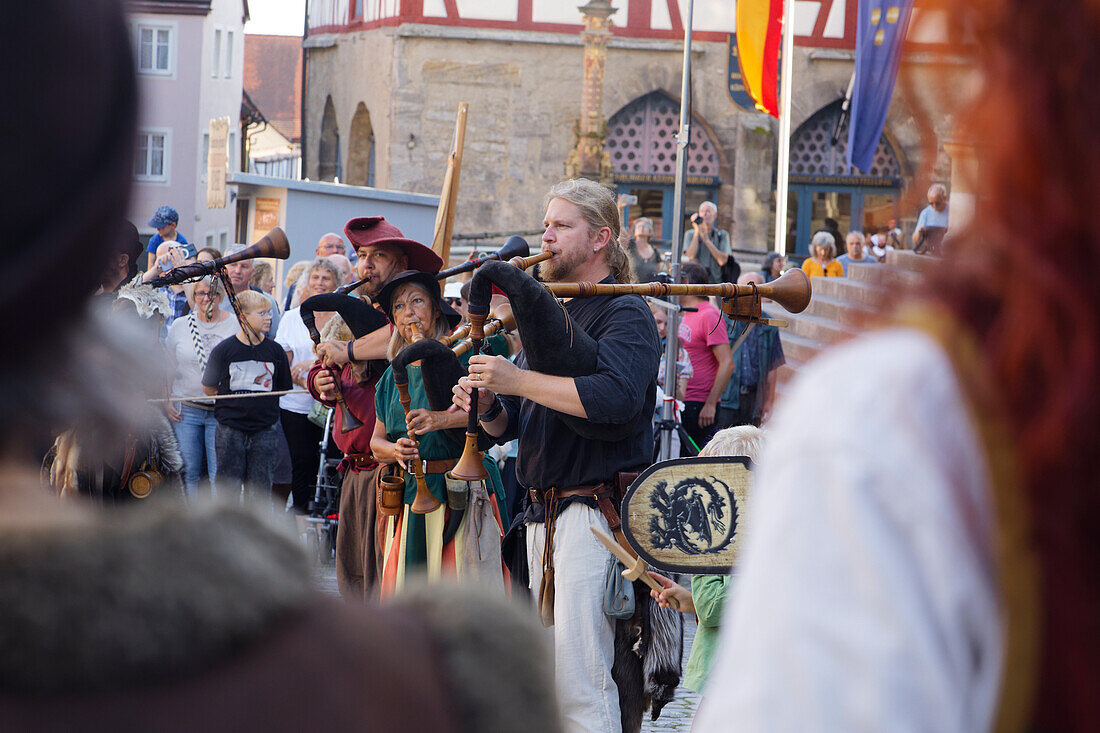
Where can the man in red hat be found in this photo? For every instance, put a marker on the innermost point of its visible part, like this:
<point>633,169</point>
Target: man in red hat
<point>383,253</point>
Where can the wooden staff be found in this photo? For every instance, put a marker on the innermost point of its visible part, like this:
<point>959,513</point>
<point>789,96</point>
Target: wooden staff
<point>448,198</point>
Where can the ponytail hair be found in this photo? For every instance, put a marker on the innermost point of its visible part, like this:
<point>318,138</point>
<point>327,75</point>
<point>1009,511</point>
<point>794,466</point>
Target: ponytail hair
<point>597,205</point>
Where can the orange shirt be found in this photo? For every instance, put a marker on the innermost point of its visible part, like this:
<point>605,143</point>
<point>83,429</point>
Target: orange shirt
<point>833,269</point>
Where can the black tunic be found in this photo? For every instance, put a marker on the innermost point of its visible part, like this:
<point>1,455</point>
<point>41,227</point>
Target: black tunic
<point>623,386</point>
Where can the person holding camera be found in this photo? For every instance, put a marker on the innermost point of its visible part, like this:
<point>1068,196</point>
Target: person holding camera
<point>169,255</point>
<point>706,244</point>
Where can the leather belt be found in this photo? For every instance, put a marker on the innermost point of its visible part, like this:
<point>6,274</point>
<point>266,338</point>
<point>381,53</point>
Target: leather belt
<point>439,465</point>
<point>360,461</point>
<point>540,496</point>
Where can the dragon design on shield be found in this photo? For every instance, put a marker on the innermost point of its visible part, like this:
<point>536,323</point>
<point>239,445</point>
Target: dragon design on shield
<point>696,516</point>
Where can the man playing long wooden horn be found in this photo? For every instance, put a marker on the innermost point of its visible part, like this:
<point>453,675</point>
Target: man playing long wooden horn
<point>383,252</point>
<point>571,480</point>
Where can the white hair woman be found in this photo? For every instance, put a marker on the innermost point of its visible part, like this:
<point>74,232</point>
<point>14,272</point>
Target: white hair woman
<point>410,299</point>
<point>822,260</point>
<point>302,436</point>
<point>190,341</point>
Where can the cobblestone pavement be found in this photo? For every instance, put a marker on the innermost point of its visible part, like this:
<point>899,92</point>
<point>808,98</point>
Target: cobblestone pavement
<point>676,716</point>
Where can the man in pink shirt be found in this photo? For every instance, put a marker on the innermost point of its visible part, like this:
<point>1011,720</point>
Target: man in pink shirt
<point>709,349</point>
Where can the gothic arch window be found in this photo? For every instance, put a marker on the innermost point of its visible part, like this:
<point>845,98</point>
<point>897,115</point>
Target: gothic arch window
<point>813,154</point>
<point>641,140</point>
<point>361,149</point>
<point>328,153</point>
<point>824,187</point>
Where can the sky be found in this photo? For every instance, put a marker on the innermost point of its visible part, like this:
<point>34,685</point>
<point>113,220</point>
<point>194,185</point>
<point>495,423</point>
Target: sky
<point>275,17</point>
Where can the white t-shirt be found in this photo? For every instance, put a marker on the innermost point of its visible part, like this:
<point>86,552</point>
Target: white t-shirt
<point>866,599</point>
<point>187,379</point>
<point>293,336</point>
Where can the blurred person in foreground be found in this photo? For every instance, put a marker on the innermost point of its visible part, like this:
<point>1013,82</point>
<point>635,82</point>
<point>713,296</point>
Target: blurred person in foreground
<point>947,578</point>
<point>160,618</point>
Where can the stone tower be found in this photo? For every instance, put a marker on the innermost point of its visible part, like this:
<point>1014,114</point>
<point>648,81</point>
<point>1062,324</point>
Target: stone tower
<point>588,159</point>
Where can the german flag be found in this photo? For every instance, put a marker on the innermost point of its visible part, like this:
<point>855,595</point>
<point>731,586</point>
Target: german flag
<point>759,33</point>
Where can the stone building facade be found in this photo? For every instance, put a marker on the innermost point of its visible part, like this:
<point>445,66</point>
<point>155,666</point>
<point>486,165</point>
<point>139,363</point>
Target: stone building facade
<point>385,78</point>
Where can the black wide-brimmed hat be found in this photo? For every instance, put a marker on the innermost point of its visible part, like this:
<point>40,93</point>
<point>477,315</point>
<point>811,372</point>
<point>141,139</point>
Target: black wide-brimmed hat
<point>425,280</point>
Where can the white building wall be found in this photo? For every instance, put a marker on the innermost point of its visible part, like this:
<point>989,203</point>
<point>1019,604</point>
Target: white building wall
<point>167,104</point>
<point>181,104</point>
<point>220,96</point>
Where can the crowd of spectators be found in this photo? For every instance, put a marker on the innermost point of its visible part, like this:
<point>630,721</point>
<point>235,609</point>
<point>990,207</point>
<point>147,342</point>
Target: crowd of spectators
<point>717,386</point>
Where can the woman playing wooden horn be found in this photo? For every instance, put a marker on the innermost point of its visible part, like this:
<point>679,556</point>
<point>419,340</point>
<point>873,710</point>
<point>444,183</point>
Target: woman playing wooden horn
<point>433,541</point>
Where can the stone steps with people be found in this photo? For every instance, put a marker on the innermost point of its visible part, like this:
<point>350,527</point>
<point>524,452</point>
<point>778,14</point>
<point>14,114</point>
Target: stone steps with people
<point>842,307</point>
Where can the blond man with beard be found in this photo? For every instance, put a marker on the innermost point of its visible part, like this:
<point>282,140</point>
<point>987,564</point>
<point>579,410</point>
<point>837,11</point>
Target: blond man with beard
<point>558,467</point>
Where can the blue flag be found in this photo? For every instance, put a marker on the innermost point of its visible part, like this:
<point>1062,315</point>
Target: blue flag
<point>880,33</point>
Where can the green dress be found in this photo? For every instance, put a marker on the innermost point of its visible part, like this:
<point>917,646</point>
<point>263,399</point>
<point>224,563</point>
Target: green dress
<point>435,445</point>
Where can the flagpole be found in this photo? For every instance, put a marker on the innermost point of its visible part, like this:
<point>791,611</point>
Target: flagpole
<point>784,163</point>
<point>673,329</point>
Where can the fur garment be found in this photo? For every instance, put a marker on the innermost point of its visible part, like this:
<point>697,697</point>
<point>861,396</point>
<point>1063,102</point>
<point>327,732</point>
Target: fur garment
<point>649,650</point>
<point>142,595</point>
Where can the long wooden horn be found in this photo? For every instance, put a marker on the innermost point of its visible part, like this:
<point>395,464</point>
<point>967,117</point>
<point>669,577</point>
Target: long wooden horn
<point>424,502</point>
<point>273,244</point>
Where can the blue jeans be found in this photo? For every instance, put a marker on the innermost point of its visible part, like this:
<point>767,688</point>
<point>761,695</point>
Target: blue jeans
<point>246,458</point>
<point>195,433</point>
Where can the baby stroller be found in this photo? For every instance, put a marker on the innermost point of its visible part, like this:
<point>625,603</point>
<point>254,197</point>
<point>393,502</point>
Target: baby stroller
<point>324,509</point>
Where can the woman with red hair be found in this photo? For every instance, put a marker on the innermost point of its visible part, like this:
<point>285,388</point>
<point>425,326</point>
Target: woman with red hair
<point>947,577</point>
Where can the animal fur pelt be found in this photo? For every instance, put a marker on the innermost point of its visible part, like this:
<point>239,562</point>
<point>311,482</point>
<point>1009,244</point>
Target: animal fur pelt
<point>144,593</point>
<point>649,651</point>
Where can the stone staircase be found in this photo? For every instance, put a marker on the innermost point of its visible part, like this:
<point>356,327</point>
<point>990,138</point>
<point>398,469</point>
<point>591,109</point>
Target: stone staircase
<point>841,307</point>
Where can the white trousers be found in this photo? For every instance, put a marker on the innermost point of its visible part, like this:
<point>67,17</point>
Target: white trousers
<point>584,636</point>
